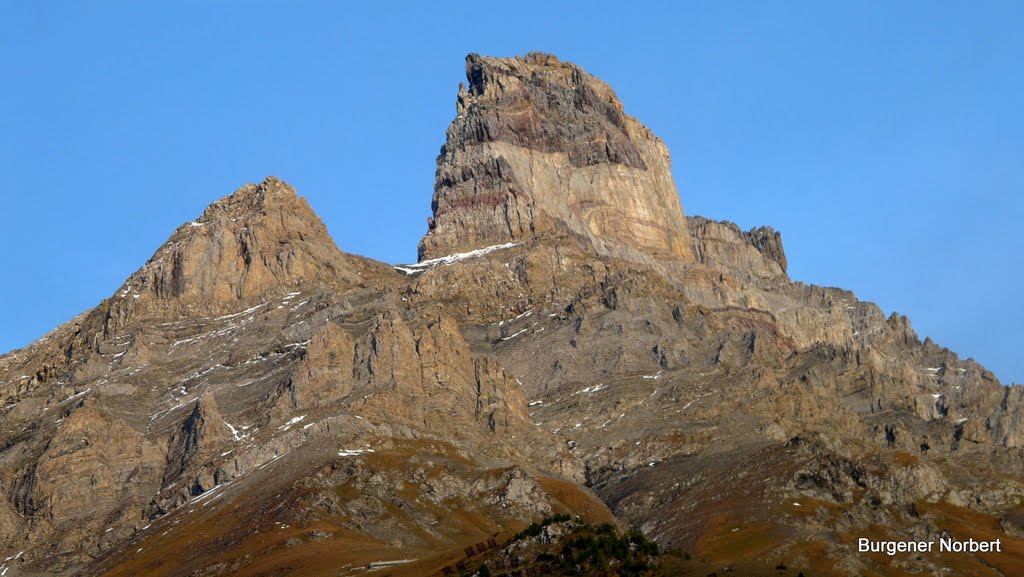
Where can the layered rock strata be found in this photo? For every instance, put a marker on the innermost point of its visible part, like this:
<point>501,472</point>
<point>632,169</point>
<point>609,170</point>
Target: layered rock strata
<point>540,146</point>
<point>254,401</point>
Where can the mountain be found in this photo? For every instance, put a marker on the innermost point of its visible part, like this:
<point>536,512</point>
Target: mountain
<point>540,146</point>
<point>254,401</point>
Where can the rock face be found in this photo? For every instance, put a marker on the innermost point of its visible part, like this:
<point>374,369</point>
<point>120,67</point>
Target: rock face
<point>253,401</point>
<point>262,238</point>
<point>95,468</point>
<point>541,146</point>
<point>755,255</point>
<point>246,337</point>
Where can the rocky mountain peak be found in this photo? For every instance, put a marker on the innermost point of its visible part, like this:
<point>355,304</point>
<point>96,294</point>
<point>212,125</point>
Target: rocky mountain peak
<point>260,239</point>
<point>253,401</point>
<point>540,146</point>
<point>272,194</point>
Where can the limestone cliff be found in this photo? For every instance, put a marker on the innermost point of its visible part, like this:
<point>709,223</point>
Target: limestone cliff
<point>756,255</point>
<point>540,146</point>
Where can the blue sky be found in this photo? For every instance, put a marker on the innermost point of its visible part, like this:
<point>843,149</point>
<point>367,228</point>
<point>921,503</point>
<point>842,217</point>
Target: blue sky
<point>884,139</point>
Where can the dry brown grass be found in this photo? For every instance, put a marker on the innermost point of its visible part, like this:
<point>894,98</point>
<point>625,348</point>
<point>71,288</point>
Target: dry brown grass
<point>574,501</point>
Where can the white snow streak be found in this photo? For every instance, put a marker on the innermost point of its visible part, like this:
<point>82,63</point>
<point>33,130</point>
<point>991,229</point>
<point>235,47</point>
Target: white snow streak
<point>426,265</point>
<point>515,335</point>
<point>76,395</point>
<point>234,433</point>
<point>374,565</point>
<point>353,452</point>
<point>293,421</point>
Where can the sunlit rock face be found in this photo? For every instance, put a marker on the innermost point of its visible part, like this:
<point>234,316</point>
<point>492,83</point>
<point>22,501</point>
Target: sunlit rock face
<point>255,401</point>
<point>541,146</point>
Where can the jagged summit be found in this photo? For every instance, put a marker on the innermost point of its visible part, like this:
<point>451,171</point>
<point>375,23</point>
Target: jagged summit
<point>538,146</point>
<point>255,198</point>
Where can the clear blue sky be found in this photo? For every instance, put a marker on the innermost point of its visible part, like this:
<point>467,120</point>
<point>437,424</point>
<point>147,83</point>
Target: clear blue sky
<point>884,139</point>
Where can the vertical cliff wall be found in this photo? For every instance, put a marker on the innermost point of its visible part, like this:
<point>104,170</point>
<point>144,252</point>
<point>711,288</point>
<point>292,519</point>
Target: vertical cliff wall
<point>539,145</point>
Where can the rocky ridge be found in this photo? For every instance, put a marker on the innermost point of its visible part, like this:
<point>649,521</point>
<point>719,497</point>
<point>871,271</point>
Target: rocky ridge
<point>255,401</point>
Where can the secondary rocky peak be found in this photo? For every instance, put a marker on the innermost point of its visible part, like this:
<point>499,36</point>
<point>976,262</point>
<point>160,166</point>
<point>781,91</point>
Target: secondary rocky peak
<point>539,145</point>
<point>255,199</point>
<point>261,238</point>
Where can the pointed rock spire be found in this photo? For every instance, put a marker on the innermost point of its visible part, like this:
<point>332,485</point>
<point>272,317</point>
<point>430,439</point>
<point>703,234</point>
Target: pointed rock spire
<point>539,145</point>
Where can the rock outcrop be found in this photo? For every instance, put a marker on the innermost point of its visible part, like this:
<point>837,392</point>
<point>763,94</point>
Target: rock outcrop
<point>254,401</point>
<point>540,146</point>
<point>263,238</point>
<point>753,256</point>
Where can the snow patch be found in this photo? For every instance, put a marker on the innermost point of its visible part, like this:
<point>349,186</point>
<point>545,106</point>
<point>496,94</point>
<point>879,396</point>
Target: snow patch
<point>426,265</point>
<point>245,312</point>
<point>381,564</point>
<point>353,452</point>
<point>76,395</point>
<point>234,433</point>
<point>515,318</point>
<point>291,422</point>
<point>515,335</point>
<point>218,490</point>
